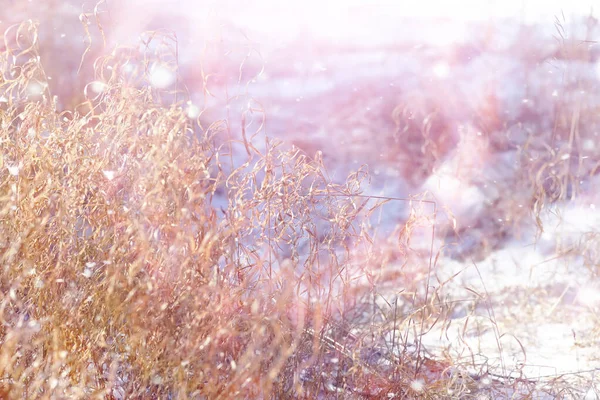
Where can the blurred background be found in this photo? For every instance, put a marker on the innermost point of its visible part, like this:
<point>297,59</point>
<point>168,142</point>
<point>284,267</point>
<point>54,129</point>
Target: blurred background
<point>463,100</point>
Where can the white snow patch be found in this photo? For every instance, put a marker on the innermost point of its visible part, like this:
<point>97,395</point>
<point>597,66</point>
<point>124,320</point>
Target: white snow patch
<point>567,222</point>
<point>589,296</point>
<point>465,201</point>
<point>592,394</point>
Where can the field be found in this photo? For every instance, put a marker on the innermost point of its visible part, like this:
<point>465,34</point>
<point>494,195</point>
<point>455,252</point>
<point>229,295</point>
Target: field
<point>192,207</point>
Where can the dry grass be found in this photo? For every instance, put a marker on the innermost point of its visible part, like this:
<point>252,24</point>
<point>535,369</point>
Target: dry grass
<point>123,279</point>
<point>147,254</point>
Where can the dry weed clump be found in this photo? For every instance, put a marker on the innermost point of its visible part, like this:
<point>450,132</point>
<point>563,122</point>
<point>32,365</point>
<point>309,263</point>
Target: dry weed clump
<point>139,260</point>
<point>543,149</point>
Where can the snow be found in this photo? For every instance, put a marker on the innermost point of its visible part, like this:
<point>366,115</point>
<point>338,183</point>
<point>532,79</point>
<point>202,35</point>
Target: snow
<point>98,87</point>
<point>417,385</point>
<point>161,77</point>
<point>192,111</point>
<point>35,88</point>
<point>571,220</point>
<point>589,296</point>
<point>109,174</point>
<point>14,170</point>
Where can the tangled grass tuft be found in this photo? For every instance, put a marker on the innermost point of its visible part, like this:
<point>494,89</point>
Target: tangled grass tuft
<point>140,261</point>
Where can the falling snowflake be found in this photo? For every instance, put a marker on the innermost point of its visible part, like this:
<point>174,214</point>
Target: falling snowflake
<point>161,77</point>
<point>192,111</point>
<point>417,385</point>
<point>14,170</point>
<point>98,87</point>
<point>89,269</point>
<point>53,383</point>
<point>36,88</point>
<point>110,175</point>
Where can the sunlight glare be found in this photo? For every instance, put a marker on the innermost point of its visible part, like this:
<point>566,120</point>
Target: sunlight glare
<point>441,70</point>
